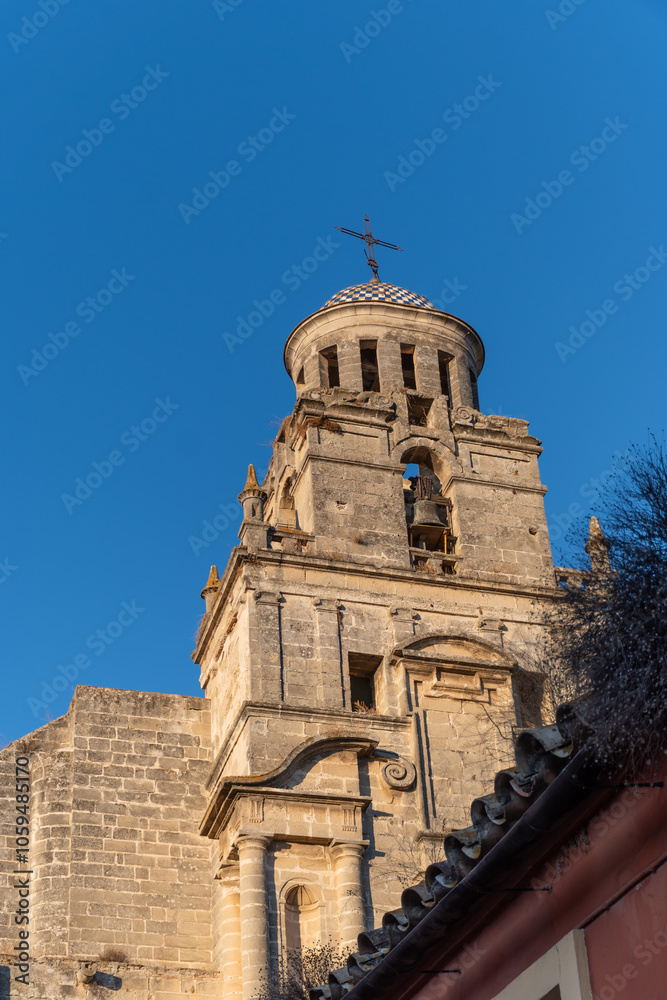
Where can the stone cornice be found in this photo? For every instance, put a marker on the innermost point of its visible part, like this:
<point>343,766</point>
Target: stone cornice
<point>343,567</point>
<point>223,789</point>
<point>480,583</point>
<point>266,814</point>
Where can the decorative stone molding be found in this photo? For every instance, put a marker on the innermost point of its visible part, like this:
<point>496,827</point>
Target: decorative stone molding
<point>256,810</point>
<point>399,774</point>
<point>331,604</point>
<point>86,973</point>
<point>492,625</point>
<point>290,815</point>
<point>462,667</point>
<point>228,876</point>
<point>348,849</point>
<point>229,791</point>
<point>403,622</point>
<point>512,426</point>
<point>267,596</point>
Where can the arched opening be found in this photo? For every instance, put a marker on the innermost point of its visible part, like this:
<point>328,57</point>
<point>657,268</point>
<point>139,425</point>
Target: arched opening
<point>428,513</point>
<point>421,459</point>
<point>302,919</point>
<point>287,517</point>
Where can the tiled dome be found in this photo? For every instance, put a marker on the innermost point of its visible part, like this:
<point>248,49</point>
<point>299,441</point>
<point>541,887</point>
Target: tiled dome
<point>378,291</point>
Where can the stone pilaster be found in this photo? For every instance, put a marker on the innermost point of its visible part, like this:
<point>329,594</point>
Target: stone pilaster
<point>346,857</point>
<point>231,933</point>
<point>266,680</point>
<point>254,924</point>
<point>331,679</point>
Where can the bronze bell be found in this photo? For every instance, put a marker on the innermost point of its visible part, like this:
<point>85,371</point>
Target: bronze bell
<point>426,512</point>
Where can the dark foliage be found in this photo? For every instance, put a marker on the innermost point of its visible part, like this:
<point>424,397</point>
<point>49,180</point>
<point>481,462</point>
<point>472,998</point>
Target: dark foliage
<point>608,647</point>
<point>301,970</point>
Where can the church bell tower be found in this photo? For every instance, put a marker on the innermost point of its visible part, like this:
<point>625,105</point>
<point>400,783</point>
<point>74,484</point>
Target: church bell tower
<point>371,637</point>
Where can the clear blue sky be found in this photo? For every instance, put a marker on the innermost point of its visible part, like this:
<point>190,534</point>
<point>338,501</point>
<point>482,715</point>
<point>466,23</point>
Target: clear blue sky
<point>304,115</point>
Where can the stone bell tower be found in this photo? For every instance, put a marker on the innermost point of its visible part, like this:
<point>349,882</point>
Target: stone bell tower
<point>374,632</point>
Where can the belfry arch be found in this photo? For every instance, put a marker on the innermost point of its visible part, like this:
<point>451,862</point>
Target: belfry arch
<point>436,459</point>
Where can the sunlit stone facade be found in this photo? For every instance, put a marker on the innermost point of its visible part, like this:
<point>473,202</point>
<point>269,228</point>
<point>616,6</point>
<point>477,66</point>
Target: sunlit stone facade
<point>365,655</point>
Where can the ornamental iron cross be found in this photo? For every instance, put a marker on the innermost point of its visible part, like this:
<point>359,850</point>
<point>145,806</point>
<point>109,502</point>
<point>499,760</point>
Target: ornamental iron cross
<point>370,242</point>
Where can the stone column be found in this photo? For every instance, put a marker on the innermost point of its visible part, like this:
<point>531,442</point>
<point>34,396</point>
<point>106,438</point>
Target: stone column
<point>254,919</point>
<point>347,872</point>
<point>231,933</point>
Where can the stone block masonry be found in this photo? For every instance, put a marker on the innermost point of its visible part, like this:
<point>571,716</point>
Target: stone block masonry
<point>121,877</point>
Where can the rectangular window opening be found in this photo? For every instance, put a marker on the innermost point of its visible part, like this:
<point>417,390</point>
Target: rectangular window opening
<point>418,410</point>
<point>331,373</point>
<point>408,366</point>
<point>370,374</point>
<point>301,379</point>
<point>362,681</point>
<point>473,386</point>
<point>445,383</point>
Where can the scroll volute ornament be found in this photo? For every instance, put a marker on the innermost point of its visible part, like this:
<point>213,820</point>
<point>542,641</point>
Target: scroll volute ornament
<point>399,774</point>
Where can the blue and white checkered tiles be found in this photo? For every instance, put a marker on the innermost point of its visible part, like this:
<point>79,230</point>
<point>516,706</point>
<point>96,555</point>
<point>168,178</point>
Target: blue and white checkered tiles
<point>378,292</point>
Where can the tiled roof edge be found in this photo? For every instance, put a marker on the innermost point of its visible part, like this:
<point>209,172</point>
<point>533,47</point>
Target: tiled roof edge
<point>529,805</point>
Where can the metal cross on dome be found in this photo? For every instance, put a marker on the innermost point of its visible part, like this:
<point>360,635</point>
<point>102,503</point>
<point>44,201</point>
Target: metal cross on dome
<point>370,242</point>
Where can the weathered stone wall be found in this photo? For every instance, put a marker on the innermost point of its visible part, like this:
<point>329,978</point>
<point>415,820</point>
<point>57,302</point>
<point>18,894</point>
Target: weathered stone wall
<point>60,979</point>
<point>119,870</point>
